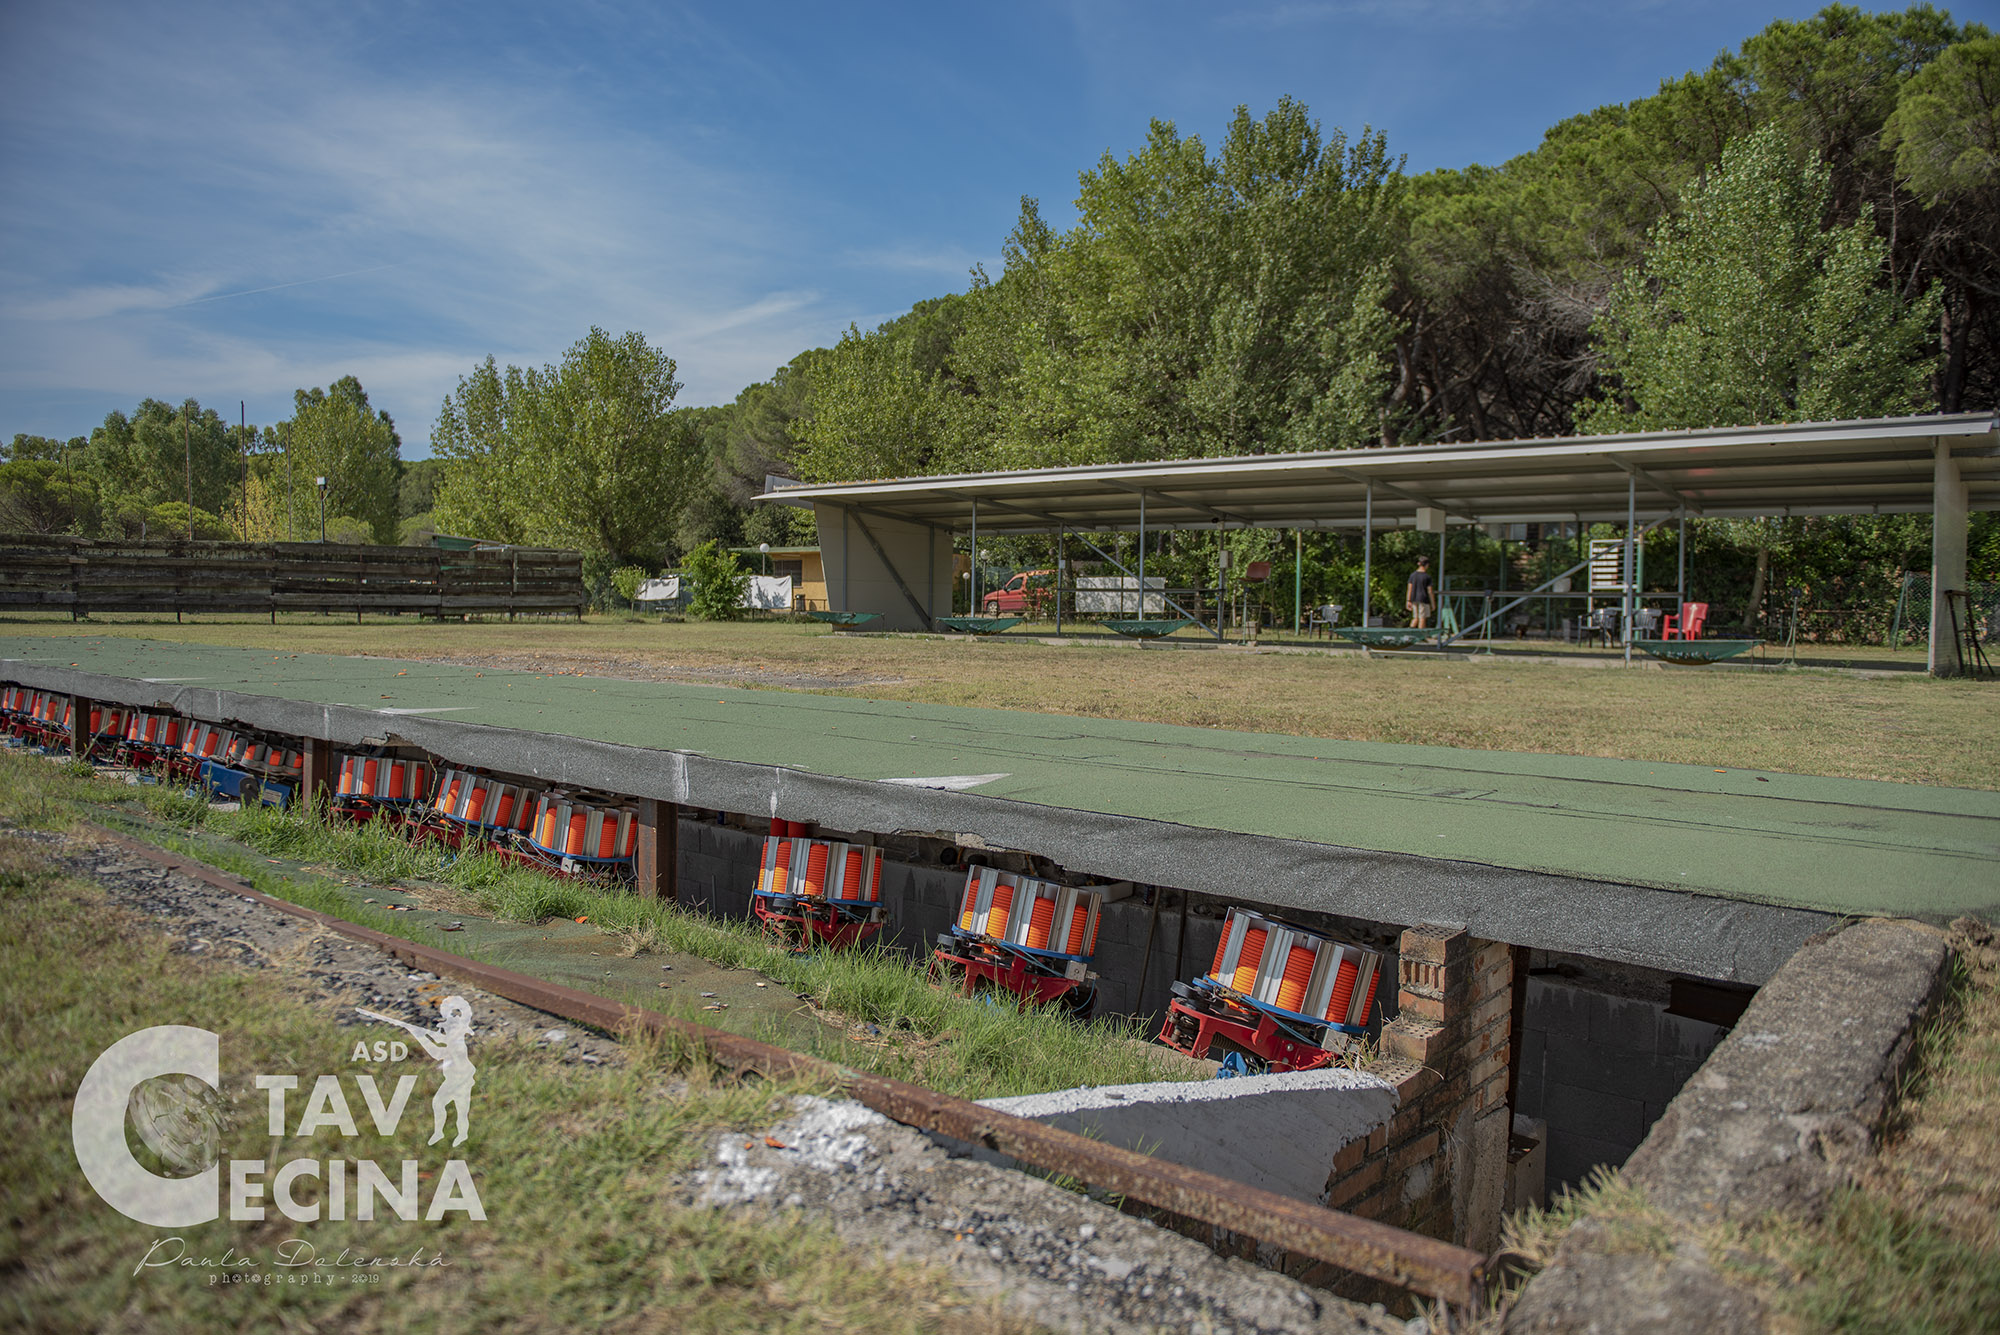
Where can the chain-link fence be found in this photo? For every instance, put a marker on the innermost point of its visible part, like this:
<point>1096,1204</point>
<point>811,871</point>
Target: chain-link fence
<point>1912,623</point>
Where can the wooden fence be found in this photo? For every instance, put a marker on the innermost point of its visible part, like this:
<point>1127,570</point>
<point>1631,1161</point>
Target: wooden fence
<point>81,576</point>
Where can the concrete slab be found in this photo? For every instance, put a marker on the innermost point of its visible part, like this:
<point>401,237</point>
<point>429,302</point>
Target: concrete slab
<point>1279,1132</point>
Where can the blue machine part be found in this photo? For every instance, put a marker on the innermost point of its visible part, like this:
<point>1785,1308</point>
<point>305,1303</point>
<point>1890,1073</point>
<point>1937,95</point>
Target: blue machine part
<point>222,781</point>
<point>1232,1066</point>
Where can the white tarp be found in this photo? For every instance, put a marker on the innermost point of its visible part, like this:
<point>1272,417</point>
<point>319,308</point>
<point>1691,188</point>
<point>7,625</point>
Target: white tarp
<point>658,590</point>
<point>1118,596</point>
<point>769,592</point>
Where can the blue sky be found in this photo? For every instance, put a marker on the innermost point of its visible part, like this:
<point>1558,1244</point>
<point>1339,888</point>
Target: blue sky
<point>231,202</point>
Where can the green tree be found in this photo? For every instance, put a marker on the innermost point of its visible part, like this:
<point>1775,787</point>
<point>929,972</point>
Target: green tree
<point>1204,304</point>
<point>416,486</point>
<point>1945,133</point>
<point>25,447</point>
<point>877,412</point>
<point>335,434</point>
<point>39,495</point>
<point>157,453</point>
<point>1748,310</point>
<point>719,581</point>
<point>588,454</point>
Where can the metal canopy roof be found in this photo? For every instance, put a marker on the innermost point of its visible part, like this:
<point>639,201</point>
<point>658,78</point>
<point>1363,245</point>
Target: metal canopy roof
<point>1881,466</point>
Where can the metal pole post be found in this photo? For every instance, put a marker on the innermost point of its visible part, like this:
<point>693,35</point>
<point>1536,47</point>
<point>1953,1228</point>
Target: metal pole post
<point>243,444</point>
<point>1437,590</point>
<point>1681,575</point>
<point>1060,563</point>
<point>1142,556</point>
<point>1626,570</point>
<point>972,576</point>
<point>187,447</point>
<point>1367,549</point>
<point>1298,578</point>
<point>1221,585</point>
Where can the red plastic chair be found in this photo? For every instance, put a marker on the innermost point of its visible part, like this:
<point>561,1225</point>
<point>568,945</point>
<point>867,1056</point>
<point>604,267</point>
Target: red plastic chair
<point>1686,626</point>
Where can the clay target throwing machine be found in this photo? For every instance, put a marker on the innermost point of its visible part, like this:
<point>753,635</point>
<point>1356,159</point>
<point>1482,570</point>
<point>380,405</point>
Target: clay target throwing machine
<point>1032,938</point>
<point>1287,998</point>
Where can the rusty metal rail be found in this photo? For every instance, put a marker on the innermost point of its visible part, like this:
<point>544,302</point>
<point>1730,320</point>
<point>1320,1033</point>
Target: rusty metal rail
<point>1423,1265</point>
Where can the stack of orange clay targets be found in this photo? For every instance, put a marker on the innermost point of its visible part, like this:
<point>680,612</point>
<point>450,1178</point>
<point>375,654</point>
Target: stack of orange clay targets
<point>581,834</point>
<point>150,739</point>
<point>483,804</point>
<point>46,719</point>
<point>1033,938</point>
<point>374,781</point>
<point>1284,996</point>
<point>817,891</point>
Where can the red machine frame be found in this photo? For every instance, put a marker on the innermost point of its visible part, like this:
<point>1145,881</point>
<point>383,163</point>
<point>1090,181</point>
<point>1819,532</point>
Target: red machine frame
<point>810,920</point>
<point>1256,1032</point>
<point>1011,969</point>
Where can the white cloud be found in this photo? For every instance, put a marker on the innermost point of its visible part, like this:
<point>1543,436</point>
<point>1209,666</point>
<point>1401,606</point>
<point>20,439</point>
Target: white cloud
<point>291,215</point>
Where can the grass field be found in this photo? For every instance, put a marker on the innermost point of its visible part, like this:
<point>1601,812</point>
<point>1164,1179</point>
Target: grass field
<point>586,1226</point>
<point>1900,725</point>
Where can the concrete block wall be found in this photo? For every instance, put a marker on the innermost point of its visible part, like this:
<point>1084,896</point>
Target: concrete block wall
<point>1439,1166</point>
<point>1600,1069</point>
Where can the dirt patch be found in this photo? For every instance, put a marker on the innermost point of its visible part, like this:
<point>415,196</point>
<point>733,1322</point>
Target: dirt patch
<point>636,669</point>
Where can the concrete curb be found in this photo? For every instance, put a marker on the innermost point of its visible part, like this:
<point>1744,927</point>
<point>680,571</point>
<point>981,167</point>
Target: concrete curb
<point>1782,1113</point>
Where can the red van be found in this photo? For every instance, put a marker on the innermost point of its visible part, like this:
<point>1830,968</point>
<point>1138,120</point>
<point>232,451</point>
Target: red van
<point>1029,593</point>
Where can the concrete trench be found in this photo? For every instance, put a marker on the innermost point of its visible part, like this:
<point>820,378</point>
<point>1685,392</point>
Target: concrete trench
<point>1506,1071</point>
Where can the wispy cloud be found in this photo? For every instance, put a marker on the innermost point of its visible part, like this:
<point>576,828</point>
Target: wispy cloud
<point>299,221</point>
<point>951,261</point>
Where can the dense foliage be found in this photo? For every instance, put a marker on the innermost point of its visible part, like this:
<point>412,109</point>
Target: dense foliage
<point>167,471</point>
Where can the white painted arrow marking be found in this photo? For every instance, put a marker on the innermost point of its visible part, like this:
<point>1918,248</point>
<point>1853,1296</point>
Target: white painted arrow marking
<point>953,781</point>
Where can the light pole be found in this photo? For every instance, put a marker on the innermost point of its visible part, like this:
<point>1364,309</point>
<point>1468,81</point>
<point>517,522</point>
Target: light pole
<point>321,483</point>
<point>765,548</point>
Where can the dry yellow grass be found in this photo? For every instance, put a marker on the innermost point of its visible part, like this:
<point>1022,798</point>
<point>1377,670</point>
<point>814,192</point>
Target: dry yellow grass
<point>1899,726</point>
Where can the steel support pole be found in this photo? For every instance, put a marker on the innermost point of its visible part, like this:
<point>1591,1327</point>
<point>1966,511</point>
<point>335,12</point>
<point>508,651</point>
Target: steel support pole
<point>1142,556</point>
<point>1298,579</point>
<point>1626,572</point>
<point>1367,550</point>
<point>1681,576</point>
<point>656,853</point>
<point>1060,565</point>
<point>1437,590</point>
<point>972,575</point>
<point>1950,504</point>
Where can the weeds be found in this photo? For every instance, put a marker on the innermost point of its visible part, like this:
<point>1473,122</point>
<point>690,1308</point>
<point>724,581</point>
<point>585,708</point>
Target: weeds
<point>967,1046</point>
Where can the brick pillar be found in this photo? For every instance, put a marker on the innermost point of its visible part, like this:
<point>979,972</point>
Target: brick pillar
<point>79,726</point>
<point>656,853</point>
<point>1439,1166</point>
<point>316,782</point>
